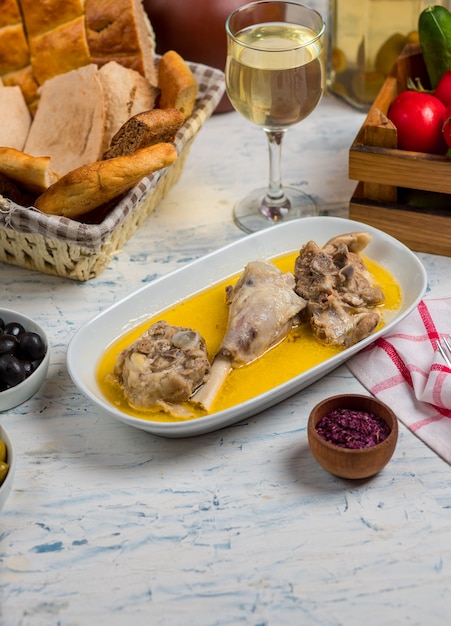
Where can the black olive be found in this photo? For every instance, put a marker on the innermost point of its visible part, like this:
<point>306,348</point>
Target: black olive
<point>21,352</point>
<point>12,370</point>
<point>14,328</point>
<point>31,346</point>
<point>29,367</point>
<point>8,343</point>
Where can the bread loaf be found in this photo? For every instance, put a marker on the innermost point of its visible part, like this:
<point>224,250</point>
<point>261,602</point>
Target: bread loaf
<point>90,186</point>
<point>177,84</point>
<point>40,39</point>
<point>32,173</point>
<point>145,129</point>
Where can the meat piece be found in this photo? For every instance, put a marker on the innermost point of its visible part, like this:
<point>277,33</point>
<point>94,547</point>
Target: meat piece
<point>263,308</point>
<point>334,322</point>
<point>314,271</point>
<point>263,305</point>
<point>356,283</point>
<point>341,297</point>
<point>165,365</point>
<point>354,242</point>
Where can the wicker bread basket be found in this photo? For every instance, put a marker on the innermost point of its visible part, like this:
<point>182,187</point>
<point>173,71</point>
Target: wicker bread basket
<point>61,246</point>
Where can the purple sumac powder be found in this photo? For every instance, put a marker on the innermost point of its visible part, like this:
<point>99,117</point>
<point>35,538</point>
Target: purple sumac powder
<point>352,429</point>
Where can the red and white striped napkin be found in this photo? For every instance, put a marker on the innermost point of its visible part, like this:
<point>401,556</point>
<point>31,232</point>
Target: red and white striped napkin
<point>405,370</point>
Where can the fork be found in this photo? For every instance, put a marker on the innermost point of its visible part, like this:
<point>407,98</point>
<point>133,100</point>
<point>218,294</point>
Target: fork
<point>444,347</point>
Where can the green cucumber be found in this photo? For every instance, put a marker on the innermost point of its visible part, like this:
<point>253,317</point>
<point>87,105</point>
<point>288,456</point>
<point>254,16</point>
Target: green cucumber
<point>434,31</point>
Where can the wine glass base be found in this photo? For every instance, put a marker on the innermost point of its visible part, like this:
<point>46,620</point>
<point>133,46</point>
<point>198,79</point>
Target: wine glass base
<point>251,214</point>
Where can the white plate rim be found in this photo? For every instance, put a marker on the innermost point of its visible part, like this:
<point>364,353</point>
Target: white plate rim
<point>264,244</point>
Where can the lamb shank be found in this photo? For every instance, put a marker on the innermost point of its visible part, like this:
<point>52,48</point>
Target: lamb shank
<point>263,307</point>
<point>341,297</point>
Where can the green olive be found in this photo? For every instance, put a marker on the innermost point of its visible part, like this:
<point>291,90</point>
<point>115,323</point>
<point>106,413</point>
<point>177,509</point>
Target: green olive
<point>4,467</point>
<point>2,451</point>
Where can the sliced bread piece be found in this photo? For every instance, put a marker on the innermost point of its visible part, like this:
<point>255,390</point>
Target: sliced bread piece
<point>70,120</point>
<point>45,15</point>
<point>126,93</point>
<point>59,50</point>
<point>32,173</point>
<point>121,31</point>
<point>13,108</point>
<point>145,129</point>
<point>10,13</point>
<point>24,78</point>
<point>177,83</point>
<point>14,51</point>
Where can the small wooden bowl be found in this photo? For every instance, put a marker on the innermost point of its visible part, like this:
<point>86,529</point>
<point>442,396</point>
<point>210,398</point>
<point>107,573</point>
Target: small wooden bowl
<point>349,462</point>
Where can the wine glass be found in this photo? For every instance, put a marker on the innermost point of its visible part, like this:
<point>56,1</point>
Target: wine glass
<point>275,77</point>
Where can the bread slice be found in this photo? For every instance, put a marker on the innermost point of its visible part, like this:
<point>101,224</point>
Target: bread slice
<point>70,120</point>
<point>126,93</point>
<point>14,51</point>
<point>42,16</point>
<point>59,50</point>
<point>13,108</point>
<point>56,36</point>
<point>10,13</point>
<point>31,173</point>
<point>177,84</point>
<point>24,78</point>
<point>121,31</point>
<point>145,129</point>
<point>90,186</point>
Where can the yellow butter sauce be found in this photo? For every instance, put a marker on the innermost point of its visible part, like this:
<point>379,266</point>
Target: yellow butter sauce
<point>207,313</point>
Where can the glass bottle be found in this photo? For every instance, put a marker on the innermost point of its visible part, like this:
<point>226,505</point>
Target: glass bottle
<point>365,39</point>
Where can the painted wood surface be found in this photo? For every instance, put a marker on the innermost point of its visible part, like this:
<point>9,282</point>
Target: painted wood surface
<point>110,525</point>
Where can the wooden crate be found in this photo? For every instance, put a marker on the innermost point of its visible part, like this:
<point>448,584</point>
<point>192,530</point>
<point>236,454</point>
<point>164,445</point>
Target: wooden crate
<point>405,194</point>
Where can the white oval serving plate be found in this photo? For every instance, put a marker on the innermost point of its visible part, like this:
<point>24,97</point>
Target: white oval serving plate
<point>90,341</point>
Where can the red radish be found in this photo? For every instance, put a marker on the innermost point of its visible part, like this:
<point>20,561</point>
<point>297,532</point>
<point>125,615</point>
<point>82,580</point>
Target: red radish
<point>446,129</point>
<point>443,89</point>
<point>419,117</point>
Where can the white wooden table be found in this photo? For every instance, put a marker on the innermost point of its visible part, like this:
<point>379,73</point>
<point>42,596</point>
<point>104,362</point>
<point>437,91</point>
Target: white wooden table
<point>107,524</point>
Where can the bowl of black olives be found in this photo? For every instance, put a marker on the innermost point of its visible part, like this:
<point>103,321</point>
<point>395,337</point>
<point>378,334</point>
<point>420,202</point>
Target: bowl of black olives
<point>24,358</point>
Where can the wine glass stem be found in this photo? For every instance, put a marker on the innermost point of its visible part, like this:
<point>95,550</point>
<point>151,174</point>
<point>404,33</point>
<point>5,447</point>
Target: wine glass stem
<point>275,204</point>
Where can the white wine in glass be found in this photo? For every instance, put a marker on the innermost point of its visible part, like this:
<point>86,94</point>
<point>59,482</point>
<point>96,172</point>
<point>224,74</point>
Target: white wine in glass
<point>275,77</point>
